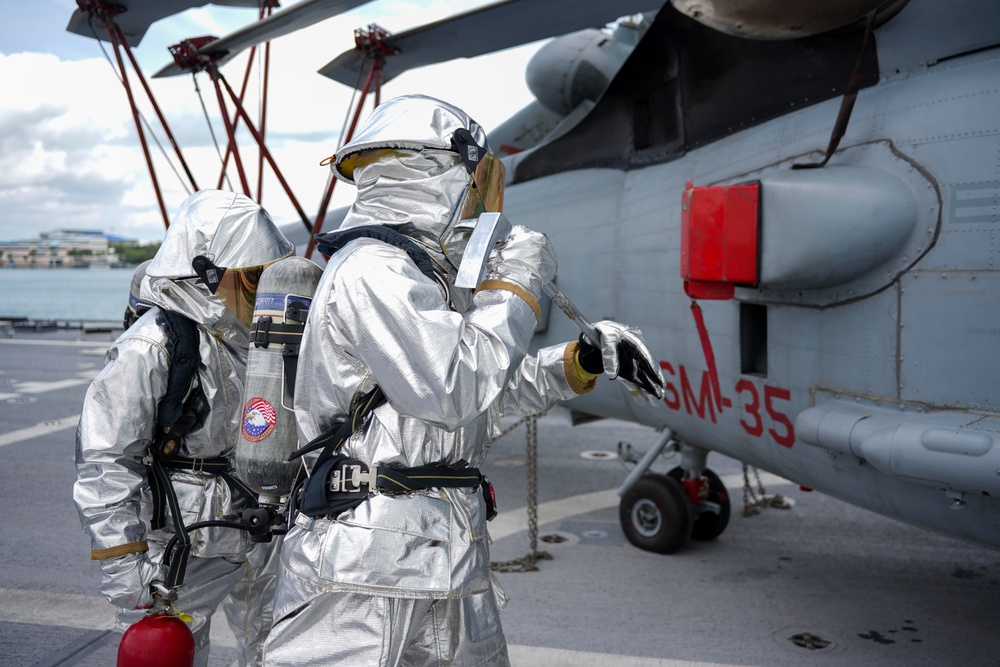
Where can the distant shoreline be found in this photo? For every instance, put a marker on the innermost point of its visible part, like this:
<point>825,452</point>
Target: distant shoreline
<point>64,268</point>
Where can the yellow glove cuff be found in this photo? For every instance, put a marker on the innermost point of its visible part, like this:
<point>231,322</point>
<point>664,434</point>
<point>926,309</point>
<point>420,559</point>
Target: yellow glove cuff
<point>579,380</point>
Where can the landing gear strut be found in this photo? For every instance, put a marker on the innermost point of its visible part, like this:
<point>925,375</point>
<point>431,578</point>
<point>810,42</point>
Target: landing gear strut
<point>711,513</point>
<point>660,513</point>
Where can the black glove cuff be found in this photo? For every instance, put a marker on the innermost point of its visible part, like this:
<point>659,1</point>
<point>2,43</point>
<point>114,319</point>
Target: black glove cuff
<point>590,357</point>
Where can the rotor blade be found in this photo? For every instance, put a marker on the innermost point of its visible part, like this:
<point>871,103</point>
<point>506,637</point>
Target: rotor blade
<point>485,30</point>
<point>300,15</point>
<point>140,14</point>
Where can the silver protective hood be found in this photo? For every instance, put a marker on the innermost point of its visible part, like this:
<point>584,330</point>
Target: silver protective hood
<point>419,184</point>
<point>415,122</point>
<point>230,230</point>
<point>227,227</point>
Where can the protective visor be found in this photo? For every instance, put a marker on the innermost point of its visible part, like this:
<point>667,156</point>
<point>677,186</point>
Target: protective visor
<point>236,288</point>
<point>361,159</point>
<point>487,175</point>
<point>487,188</point>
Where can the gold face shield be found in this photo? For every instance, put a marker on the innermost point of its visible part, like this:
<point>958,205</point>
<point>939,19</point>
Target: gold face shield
<point>362,159</point>
<point>487,175</point>
<point>484,194</point>
<point>487,188</point>
<point>236,288</point>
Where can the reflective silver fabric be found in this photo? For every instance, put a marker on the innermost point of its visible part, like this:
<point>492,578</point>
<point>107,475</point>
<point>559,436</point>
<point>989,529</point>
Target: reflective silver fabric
<point>355,629</point>
<point>412,122</point>
<point>118,424</point>
<point>449,371</point>
<point>422,191</point>
<point>247,237</point>
<point>135,303</point>
<point>526,259</point>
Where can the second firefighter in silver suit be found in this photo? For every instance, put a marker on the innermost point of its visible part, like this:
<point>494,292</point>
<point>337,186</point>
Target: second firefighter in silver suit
<point>404,578</point>
<point>119,426</point>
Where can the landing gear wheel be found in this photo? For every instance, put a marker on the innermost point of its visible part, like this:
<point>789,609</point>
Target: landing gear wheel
<point>707,524</point>
<point>656,514</point>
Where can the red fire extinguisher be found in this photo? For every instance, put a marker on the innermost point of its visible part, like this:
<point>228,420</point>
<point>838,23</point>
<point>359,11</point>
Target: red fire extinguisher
<point>159,639</point>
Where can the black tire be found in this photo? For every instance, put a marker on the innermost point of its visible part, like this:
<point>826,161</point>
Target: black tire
<point>709,525</point>
<point>655,514</point>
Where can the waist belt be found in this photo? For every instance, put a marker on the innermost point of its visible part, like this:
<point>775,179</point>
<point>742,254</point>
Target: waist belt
<point>342,483</point>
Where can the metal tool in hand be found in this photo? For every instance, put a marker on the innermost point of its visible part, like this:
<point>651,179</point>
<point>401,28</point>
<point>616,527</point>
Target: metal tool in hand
<point>573,313</point>
<point>490,229</point>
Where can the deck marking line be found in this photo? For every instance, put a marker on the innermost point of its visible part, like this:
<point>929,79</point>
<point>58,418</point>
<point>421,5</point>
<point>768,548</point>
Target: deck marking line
<point>38,430</point>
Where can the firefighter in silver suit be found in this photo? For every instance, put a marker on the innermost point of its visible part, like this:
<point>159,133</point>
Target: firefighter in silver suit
<point>118,427</point>
<point>403,578</point>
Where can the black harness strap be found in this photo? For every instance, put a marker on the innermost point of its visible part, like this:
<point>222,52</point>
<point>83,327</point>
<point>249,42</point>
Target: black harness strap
<point>174,419</point>
<point>343,483</point>
<point>331,242</point>
<point>850,95</point>
<point>265,331</point>
<point>289,333</point>
<point>184,358</point>
<point>219,466</point>
<point>392,479</point>
<point>178,564</point>
<point>335,436</point>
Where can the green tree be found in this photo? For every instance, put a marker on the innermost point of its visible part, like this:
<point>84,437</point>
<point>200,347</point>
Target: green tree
<point>133,253</point>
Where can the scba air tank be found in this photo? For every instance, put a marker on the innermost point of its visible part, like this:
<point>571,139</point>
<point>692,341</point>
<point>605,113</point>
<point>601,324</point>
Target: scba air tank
<point>284,295</point>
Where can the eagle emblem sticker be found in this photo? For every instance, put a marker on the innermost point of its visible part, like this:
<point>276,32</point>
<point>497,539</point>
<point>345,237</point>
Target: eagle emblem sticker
<point>259,419</point>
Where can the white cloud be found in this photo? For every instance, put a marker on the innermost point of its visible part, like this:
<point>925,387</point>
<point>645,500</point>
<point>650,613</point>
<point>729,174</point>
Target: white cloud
<point>71,156</point>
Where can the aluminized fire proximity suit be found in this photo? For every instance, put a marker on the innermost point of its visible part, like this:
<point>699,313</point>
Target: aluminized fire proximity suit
<point>118,424</point>
<point>404,579</point>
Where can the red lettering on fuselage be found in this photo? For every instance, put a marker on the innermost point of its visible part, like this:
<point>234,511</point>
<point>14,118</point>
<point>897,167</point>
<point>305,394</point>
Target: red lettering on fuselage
<point>756,417</point>
<point>704,397</point>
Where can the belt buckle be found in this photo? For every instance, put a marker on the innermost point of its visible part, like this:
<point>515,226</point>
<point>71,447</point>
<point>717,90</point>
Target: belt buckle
<point>350,475</point>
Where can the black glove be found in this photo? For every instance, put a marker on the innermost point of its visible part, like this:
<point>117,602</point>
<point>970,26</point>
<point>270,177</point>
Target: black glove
<point>589,357</point>
<point>623,355</point>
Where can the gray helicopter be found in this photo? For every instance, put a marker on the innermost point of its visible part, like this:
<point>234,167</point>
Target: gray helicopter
<point>797,203</point>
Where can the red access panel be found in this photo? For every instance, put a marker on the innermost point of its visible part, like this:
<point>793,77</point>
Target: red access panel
<point>719,237</point>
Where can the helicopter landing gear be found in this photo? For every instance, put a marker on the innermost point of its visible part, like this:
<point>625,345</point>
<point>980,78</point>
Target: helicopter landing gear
<point>660,513</point>
<point>711,514</point>
<point>656,514</point>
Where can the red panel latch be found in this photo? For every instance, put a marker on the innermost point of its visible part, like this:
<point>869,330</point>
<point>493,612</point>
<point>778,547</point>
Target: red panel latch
<point>719,237</point>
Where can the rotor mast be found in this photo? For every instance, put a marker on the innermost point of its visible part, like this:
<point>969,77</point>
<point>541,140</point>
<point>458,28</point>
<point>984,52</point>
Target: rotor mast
<point>187,55</point>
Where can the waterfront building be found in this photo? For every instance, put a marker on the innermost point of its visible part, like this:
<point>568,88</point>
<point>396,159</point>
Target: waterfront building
<point>62,248</point>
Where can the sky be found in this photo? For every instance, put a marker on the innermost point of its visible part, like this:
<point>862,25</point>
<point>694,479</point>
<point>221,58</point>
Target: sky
<point>70,157</point>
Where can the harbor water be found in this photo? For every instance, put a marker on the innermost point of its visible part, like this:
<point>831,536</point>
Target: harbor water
<point>64,295</point>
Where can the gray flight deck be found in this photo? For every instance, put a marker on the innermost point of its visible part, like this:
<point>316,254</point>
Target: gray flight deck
<point>821,583</point>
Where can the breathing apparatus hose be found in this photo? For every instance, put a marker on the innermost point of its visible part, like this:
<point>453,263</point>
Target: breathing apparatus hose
<point>195,526</point>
